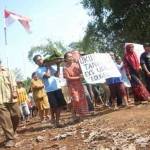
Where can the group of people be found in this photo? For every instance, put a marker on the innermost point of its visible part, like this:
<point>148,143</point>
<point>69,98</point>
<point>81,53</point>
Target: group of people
<point>134,69</point>
<point>131,76</point>
<point>48,95</point>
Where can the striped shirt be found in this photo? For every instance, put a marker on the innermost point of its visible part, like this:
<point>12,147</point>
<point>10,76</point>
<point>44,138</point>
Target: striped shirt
<point>22,95</point>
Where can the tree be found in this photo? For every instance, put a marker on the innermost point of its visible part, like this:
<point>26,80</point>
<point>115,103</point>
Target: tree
<point>19,77</point>
<point>130,20</point>
<point>114,23</point>
<point>47,49</point>
<point>76,45</point>
<point>90,43</point>
<point>27,83</point>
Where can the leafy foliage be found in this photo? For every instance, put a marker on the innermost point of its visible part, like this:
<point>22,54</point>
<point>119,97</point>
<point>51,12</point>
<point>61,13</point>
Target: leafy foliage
<point>19,77</point>
<point>76,45</point>
<point>27,83</point>
<point>116,22</point>
<point>49,49</point>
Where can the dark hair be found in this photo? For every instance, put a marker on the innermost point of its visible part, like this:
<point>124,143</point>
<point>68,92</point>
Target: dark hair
<point>20,82</point>
<point>35,57</point>
<point>65,55</point>
<point>33,74</point>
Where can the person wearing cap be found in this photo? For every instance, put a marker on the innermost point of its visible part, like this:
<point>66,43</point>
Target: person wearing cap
<point>145,63</point>
<point>9,109</point>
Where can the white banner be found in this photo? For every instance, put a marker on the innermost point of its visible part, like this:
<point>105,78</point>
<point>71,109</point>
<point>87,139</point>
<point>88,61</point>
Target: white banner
<point>97,67</point>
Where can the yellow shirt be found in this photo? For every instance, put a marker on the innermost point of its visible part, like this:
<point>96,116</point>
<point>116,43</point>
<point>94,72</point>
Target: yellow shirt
<point>38,93</point>
<point>7,85</point>
<point>22,95</point>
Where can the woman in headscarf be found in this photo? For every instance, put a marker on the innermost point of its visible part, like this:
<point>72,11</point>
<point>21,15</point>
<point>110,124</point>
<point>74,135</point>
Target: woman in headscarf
<point>133,68</point>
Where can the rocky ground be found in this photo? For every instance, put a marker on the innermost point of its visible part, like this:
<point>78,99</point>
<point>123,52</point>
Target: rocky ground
<point>125,129</point>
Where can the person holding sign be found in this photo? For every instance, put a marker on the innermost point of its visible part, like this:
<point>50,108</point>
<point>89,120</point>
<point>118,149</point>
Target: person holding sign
<point>72,73</point>
<point>133,68</point>
<point>124,77</point>
<point>117,89</point>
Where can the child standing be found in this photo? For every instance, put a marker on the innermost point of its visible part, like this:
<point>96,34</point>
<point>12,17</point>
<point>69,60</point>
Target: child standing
<point>40,97</point>
<point>23,101</point>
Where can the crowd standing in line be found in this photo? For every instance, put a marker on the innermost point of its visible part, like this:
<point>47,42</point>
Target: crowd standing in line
<point>48,96</point>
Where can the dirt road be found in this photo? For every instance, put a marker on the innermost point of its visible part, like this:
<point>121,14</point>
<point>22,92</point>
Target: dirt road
<point>125,129</point>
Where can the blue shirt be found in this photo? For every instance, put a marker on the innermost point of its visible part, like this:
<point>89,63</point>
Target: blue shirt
<point>52,83</point>
<point>113,80</point>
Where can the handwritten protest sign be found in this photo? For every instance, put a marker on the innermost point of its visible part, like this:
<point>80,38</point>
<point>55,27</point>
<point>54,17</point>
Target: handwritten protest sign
<point>97,67</point>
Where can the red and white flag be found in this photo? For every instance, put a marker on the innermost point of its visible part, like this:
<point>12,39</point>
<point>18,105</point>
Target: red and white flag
<point>10,17</point>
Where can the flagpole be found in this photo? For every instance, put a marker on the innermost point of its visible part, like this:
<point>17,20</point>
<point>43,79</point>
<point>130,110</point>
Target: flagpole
<point>6,44</point>
<point>5,38</point>
<point>5,35</point>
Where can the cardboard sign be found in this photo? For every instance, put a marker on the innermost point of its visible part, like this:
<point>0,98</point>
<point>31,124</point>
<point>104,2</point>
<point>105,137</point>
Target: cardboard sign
<point>97,67</point>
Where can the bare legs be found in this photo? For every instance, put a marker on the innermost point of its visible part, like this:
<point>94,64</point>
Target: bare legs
<point>55,116</point>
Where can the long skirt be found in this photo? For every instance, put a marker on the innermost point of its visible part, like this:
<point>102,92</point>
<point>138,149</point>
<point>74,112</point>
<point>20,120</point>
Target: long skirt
<point>78,98</point>
<point>139,90</point>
